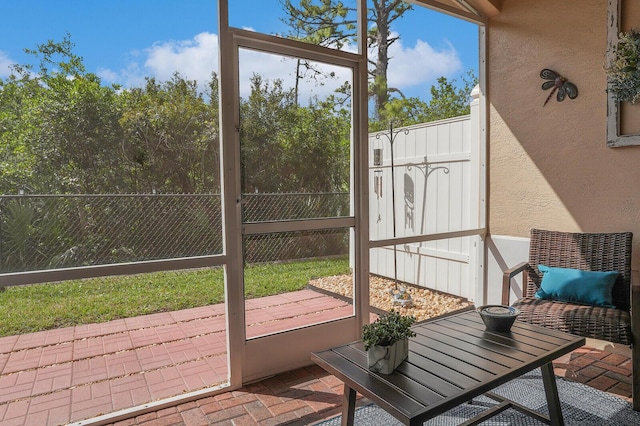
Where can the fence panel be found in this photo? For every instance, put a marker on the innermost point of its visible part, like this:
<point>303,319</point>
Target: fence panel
<point>433,190</point>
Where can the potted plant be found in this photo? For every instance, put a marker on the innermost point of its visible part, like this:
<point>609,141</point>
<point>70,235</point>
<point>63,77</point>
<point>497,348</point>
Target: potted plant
<point>624,69</point>
<point>386,341</point>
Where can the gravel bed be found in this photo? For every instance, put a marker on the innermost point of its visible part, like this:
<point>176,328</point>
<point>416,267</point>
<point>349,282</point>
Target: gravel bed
<point>425,303</point>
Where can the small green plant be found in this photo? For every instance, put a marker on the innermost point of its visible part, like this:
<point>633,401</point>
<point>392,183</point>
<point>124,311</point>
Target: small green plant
<point>624,70</point>
<point>387,329</point>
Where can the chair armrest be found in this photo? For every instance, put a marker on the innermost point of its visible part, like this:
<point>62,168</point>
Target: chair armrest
<point>635,299</point>
<point>523,267</point>
<point>635,336</point>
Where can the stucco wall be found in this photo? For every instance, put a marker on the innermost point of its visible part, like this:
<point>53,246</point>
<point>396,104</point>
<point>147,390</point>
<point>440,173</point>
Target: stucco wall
<point>549,166</point>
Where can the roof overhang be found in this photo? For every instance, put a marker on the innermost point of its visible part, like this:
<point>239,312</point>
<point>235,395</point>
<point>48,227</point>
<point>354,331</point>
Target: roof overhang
<point>477,11</point>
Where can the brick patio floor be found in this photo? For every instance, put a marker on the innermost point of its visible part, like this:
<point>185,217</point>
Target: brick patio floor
<point>309,395</point>
<point>70,374</point>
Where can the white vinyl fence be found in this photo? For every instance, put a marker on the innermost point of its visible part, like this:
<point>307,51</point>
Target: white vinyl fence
<point>437,179</point>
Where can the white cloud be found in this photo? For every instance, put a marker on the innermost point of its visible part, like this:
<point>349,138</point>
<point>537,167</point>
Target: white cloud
<point>421,64</point>
<point>272,67</point>
<point>107,74</point>
<point>410,67</point>
<point>5,62</point>
<point>194,59</point>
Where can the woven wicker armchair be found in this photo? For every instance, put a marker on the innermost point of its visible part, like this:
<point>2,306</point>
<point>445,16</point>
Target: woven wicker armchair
<point>590,252</point>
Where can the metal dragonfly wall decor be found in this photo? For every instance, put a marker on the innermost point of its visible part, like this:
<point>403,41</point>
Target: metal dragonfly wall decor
<point>559,83</point>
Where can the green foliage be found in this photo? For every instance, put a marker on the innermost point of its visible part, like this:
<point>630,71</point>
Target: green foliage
<point>266,279</point>
<point>62,124</point>
<point>16,161</point>
<point>64,132</point>
<point>172,136</point>
<point>388,329</point>
<point>17,230</point>
<point>27,309</point>
<point>288,148</point>
<point>33,229</point>
<point>624,70</point>
<point>448,99</point>
<point>323,22</point>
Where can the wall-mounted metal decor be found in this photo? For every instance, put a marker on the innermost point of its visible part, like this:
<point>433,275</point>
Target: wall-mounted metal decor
<point>560,84</point>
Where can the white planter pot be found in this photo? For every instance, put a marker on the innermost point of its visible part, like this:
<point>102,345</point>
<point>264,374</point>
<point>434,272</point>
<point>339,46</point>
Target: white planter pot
<point>385,359</point>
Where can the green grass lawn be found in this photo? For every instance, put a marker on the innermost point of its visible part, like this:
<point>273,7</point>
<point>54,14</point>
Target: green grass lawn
<point>26,309</point>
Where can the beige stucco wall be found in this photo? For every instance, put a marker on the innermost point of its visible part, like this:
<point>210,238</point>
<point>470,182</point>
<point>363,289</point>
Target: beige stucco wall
<point>549,167</point>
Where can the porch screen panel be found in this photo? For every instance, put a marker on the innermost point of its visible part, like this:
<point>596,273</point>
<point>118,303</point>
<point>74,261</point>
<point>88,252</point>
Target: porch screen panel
<point>295,166</point>
<point>110,206</point>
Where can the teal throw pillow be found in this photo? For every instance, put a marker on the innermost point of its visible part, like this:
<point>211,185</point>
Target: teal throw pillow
<point>574,285</point>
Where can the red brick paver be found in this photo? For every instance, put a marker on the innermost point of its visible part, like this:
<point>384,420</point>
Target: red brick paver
<point>308,395</point>
<point>601,370</point>
<point>75,373</point>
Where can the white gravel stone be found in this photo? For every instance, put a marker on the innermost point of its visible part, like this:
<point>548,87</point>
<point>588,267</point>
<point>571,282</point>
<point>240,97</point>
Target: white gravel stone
<point>426,303</point>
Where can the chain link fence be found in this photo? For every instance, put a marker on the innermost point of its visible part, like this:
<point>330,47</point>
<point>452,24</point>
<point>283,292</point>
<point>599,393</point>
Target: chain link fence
<point>40,232</point>
<point>267,207</point>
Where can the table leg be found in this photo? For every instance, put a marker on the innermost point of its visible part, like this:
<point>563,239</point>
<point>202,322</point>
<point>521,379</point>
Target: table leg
<point>551,392</point>
<point>348,406</point>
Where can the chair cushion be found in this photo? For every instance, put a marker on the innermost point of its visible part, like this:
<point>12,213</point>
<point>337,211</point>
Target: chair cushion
<point>578,286</point>
<point>595,322</point>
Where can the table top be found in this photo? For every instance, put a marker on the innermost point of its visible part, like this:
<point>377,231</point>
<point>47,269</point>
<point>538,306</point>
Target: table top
<point>451,360</point>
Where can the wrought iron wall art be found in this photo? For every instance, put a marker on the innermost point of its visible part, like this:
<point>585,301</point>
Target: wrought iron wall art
<point>391,137</point>
<point>409,187</point>
<point>560,84</point>
<point>409,190</point>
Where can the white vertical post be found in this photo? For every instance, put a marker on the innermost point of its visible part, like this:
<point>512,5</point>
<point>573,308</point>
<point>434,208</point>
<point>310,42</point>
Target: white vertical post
<point>479,156</point>
<point>231,211</point>
<point>474,289</point>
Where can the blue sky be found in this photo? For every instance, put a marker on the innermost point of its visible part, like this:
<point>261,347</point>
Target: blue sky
<point>125,40</point>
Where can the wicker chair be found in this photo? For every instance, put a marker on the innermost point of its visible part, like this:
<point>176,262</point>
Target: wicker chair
<point>591,252</point>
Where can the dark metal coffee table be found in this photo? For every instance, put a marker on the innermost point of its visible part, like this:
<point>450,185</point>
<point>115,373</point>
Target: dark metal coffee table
<point>451,361</point>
